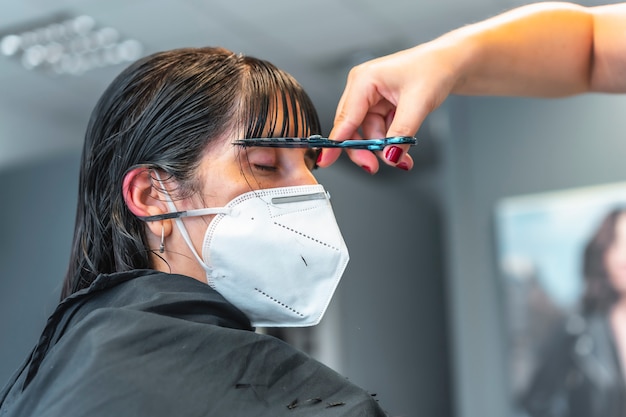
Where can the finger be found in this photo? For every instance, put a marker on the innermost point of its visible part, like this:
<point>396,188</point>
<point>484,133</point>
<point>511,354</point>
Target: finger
<point>409,115</point>
<point>375,123</point>
<point>355,102</point>
<point>365,159</point>
<point>342,130</point>
<point>392,155</point>
<point>404,121</point>
<point>347,119</point>
<point>405,163</point>
<point>328,157</point>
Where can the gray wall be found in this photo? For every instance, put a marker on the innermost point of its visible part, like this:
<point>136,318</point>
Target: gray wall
<point>37,222</point>
<point>500,147</point>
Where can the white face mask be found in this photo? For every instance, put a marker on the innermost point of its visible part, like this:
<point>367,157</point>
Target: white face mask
<point>276,254</point>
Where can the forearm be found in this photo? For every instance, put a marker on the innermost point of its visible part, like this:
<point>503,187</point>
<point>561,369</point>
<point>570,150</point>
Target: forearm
<point>542,50</point>
<point>609,59</point>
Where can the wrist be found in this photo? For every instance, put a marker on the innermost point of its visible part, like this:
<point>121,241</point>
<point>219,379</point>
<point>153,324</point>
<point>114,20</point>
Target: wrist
<point>460,54</point>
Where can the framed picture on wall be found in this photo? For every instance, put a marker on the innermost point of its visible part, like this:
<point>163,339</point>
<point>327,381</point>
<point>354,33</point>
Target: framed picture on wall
<point>562,262</point>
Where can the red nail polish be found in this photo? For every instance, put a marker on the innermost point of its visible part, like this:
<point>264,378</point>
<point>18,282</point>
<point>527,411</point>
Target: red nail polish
<point>393,154</point>
<point>319,157</point>
<point>403,165</point>
<point>366,169</point>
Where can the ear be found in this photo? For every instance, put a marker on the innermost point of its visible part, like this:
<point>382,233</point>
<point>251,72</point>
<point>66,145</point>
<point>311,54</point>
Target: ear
<point>143,199</point>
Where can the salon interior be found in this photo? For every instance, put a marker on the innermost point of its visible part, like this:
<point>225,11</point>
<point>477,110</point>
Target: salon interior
<point>421,316</point>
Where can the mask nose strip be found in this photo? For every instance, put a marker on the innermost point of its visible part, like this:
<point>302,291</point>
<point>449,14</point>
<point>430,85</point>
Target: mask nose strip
<point>299,198</point>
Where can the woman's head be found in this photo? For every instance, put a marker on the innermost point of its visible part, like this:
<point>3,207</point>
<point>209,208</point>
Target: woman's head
<point>167,113</point>
<point>604,263</point>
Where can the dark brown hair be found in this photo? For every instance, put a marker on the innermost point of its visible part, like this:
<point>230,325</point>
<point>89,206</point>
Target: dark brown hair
<point>600,294</point>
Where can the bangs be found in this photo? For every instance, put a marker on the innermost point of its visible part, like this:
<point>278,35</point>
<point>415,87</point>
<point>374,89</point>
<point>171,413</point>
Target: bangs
<point>275,105</point>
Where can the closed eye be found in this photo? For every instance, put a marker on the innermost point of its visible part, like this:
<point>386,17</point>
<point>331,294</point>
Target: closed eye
<point>265,168</point>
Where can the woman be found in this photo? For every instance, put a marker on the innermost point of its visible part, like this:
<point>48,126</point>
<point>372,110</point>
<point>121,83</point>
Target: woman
<point>184,241</point>
<point>582,373</point>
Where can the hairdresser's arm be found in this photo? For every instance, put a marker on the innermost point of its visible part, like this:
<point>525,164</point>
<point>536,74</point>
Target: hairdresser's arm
<point>540,50</point>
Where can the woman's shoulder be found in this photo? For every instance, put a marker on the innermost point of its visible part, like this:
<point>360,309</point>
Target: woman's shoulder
<point>160,294</point>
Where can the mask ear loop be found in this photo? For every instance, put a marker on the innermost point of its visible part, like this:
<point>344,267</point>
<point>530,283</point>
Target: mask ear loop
<point>181,226</point>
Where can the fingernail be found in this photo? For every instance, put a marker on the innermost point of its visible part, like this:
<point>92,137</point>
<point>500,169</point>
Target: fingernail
<point>366,169</point>
<point>403,165</point>
<point>393,154</point>
<point>319,158</point>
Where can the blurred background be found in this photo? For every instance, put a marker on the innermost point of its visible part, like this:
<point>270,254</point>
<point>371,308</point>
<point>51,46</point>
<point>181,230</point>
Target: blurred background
<point>419,318</point>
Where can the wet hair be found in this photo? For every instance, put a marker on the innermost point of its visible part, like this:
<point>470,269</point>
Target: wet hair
<point>163,112</point>
<point>600,295</point>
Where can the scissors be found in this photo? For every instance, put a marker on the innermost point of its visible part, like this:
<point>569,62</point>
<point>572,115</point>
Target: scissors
<point>317,141</point>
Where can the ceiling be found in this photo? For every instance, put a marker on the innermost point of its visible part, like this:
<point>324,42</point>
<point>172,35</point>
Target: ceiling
<point>317,41</point>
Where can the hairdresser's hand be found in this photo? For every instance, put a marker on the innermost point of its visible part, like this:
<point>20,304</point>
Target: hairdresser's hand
<point>391,96</point>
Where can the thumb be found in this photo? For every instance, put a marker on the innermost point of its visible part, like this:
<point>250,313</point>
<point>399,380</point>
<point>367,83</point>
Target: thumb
<point>355,102</point>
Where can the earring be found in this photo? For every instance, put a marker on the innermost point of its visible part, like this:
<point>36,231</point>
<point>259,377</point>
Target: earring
<point>162,245</point>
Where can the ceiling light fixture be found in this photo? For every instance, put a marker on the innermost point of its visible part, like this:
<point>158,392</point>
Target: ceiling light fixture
<point>68,45</point>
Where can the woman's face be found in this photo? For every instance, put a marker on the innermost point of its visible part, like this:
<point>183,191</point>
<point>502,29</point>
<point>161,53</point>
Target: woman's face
<point>225,172</point>
<point>615,256</point>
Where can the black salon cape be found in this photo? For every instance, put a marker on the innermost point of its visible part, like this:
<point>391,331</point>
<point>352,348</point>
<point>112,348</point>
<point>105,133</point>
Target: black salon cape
<point>146,343</point>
